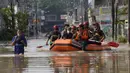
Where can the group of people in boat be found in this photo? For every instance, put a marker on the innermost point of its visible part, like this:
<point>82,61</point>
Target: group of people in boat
<point>81,33</point>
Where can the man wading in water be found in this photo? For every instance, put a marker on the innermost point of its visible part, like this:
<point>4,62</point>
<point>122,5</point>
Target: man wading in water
<point>19,42</point>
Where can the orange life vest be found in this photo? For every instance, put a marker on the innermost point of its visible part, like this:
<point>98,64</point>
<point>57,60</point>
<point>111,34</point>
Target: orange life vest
<point>83,36</point>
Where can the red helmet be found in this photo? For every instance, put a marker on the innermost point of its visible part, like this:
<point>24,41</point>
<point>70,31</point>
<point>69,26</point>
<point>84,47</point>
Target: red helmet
<point>73,27</point>
<point>55,27</point>
<point>80,25</point>
<point>86,23</point>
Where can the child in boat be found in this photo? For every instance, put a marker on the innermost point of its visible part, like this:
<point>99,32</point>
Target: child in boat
<point>19,42</point>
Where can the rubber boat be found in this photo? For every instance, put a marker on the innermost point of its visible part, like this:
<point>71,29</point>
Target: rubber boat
<point>72,45</point>
<point>65,45</point>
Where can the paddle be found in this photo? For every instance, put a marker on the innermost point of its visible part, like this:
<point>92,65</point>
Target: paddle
<point>40,46</point>
<point>113,44</point>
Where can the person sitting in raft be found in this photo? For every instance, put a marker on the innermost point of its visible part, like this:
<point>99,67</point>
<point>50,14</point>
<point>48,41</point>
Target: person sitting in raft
<point>66,33</point>
<point>82,36</point>
<point>98,33</point>
<point>19,42</point>
<point>69,33</point>
<point>74,31</point>
<point>54,35</point>
<point>87,28</point>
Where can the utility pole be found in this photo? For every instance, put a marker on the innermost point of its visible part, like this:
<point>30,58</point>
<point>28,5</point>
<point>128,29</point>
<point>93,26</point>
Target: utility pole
<point>12,16</point>
<point>113,19</point>
<point>82,13</point>
<point>129,18</point>
<point>36,21</point>
<point>86,10</point>
<point>116,19</point>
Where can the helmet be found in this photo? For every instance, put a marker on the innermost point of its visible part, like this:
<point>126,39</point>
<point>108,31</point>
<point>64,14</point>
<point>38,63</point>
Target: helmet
<point>80,25</point>
<point>55,27</point>
<point>86,23</point>
<point>73,27</point>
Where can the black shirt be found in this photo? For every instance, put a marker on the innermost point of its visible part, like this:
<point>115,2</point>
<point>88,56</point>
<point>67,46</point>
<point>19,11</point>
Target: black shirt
<point>98,35</point>
<point>54,35</point>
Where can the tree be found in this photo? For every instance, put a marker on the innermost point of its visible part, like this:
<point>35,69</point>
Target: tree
<point>22,21</point>
<point>10,29</point>
<point>53,6</point>
<point>6,14</point>
<point>58,6</point>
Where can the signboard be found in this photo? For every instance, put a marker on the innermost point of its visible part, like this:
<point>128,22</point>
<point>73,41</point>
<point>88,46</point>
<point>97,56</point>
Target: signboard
<point>104,10</point>
<point>105,22</point>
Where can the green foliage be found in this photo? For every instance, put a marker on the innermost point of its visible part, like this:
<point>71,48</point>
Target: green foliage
<point>122,39</point>
<point>120,22</point>
<point>58,6</point>
<point>6,14</point>
<point>6,35</point>
<point>22,21</point>
<point>126,2</point>
<point>52,6</point>
<point>123,11</point>
<point>9,29</point>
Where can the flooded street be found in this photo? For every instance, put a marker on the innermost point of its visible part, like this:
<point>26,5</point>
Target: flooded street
<point>41,60</point>
<point>65,36</point>
<point>67,62</point>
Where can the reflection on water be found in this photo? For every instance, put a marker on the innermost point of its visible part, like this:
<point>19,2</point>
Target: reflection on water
<point>71,62</point>
<point>13,64</point>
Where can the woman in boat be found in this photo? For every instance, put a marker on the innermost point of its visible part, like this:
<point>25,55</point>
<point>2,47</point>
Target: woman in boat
<point>19,42</point>
<point>98,33</point>
<point>54,35</point>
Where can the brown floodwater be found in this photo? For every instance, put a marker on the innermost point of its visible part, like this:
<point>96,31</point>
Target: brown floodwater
<point>67,62</point>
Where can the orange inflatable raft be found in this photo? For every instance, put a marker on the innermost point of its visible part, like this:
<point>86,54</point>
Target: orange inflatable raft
<point>94,47</point>
<point>72,45</point>
<point>65,45</point>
